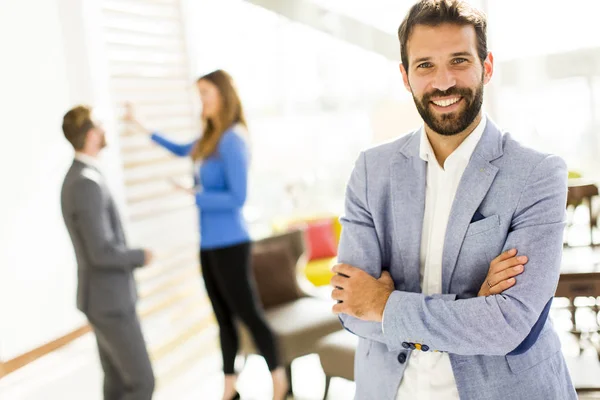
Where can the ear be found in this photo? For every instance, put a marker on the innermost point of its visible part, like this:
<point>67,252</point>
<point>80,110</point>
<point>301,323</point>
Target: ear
<point>91,136</point>
<point>488,68</point>
<point>405,77</point>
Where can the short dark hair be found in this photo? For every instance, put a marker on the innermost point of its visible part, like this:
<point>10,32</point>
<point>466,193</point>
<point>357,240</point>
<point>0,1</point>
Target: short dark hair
<point>77,123</point>
<point>437,12</point>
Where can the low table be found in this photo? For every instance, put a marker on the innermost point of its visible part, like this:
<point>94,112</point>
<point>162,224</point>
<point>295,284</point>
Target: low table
<point>580,277</point>
<point>336,352</point>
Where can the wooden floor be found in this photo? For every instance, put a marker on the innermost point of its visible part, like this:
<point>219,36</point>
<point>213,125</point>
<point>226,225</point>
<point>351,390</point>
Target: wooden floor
<point>73,373</point>
<point>188,366</point>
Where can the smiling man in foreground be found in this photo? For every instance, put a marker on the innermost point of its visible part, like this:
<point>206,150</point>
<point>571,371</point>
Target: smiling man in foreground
<point>425,217</point>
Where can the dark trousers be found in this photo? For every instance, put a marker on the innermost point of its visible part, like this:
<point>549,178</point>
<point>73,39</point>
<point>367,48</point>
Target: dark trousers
<point>231,289</point>
<point>127,369</point>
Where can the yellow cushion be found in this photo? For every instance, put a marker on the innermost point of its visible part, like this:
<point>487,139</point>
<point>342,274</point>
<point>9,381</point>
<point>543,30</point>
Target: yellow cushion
<point>318,272</point>
<point>337,229</point>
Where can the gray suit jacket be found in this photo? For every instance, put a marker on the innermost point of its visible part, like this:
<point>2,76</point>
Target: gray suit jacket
<point>105,263</point>
<point>501,347</point>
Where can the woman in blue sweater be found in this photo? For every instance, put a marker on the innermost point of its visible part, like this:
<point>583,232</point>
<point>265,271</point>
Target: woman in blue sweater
<point>220,158</point>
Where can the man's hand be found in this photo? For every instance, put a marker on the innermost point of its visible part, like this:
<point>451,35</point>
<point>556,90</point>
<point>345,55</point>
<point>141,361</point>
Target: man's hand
<point>148,257</point>
<point>359,294</point>
<point>502,271</point>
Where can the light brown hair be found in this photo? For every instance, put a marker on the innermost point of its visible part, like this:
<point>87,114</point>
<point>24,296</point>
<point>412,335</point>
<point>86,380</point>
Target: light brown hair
<point>77,123</point>
<point>230,113</point>
<point>437,12</point>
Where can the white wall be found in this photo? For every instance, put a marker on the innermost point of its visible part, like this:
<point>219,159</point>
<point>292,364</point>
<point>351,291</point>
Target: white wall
<point>49,63</point>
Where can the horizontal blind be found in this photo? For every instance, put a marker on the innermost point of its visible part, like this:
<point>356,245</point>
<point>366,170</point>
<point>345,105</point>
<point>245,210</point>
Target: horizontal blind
<point>148,66</point>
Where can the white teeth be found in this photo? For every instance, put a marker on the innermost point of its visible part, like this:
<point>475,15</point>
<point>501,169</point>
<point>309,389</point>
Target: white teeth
<point>446,103</point>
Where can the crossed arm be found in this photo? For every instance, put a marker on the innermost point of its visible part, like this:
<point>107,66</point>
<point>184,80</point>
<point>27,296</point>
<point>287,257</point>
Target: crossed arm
<point>490,325</point>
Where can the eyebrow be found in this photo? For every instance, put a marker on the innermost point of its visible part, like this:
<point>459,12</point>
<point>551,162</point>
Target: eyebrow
<point>462,54</point>
<point>418,60</point>
<point>457,54</point>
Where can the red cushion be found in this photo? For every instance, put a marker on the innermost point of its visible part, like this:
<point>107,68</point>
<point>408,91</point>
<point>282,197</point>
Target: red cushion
<point>320,239</point>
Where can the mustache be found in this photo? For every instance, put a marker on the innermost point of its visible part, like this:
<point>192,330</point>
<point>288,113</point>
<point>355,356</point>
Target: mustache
<point>462,92</point>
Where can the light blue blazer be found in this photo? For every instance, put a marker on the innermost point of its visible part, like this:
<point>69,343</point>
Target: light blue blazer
<point>501,347</point>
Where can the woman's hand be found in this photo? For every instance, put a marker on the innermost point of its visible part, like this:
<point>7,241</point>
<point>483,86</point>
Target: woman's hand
<point>182,188</point>
<point>129,117</point>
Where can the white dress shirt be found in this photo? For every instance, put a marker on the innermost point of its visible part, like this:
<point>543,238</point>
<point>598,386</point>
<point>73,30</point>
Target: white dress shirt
<point>428,375</point>
<point>88,160</point>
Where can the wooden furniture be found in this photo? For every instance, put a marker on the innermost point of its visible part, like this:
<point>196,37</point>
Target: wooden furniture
<point>580,280</point>
<point>300,322</point>
<point>336,353</point>
<point>583,191</point>
<point>572,285</point>
<point>581,284</point>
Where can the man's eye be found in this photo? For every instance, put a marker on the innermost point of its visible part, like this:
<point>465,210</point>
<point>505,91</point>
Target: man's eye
<point>459,60</point>
<point>424,65</point>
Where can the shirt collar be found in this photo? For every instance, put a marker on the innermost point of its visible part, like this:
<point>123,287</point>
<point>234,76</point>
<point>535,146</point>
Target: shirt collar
<point>87,160</point>
<point>466,148</point>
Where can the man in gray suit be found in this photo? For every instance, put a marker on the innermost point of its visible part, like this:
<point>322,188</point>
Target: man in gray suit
<point>106,291</point>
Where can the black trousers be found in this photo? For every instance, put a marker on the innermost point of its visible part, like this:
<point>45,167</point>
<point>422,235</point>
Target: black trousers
<point>231,289</point>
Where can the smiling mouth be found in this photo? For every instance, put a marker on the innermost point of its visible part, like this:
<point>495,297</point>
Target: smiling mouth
<point>446,102</point>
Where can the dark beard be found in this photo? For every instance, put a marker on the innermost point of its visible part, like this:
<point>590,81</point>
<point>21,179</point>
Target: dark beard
<point>455,122</point>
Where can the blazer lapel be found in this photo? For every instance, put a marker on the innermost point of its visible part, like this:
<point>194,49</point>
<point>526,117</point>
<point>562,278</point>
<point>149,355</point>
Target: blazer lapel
<point>408,179</point>
<point>473,187</point>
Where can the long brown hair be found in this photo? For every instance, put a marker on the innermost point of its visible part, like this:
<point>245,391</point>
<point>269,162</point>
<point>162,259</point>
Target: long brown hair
<point>231,113</point>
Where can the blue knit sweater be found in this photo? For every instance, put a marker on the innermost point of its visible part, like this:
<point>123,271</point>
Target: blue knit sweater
<point>222,181</point>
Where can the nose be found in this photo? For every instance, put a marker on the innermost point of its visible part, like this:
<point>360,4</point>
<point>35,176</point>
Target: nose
<point>444,79</point>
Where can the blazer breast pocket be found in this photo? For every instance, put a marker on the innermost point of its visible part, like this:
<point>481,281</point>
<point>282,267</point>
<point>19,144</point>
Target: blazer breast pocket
<point>483,225</point>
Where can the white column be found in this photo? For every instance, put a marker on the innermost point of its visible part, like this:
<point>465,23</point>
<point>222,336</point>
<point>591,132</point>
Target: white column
<point>50,62</point>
